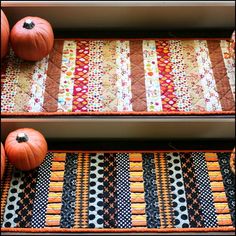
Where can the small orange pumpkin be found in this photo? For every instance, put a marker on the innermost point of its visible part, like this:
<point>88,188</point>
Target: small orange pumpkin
<point>26,148</point>
<point>3,161</point>
<point>32,38</point>
<point>5,33</point>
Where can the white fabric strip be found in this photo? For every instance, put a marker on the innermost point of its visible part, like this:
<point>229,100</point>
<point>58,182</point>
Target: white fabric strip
<point>65,95</point>
<point>38,85</point>
<point>207,78</point>
<point>9,88</point>
<point>95,76</point>
<point>124,93</point>
<point>152,83</point>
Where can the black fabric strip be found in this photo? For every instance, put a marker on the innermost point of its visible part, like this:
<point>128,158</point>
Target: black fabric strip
<point>149,177</point>
<point>69,191</point>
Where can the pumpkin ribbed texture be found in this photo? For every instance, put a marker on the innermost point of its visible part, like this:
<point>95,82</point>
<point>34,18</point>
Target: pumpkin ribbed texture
<point>5,34</point>
<point>3,161</point>
<point>32,38</point>
<point>26,154</point>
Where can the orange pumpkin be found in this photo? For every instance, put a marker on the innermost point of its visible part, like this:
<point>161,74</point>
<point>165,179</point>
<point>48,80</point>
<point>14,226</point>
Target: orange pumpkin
<point>32,38</point>
<point>5,33</point>
<point>3,161</point>
<point>26,148</point>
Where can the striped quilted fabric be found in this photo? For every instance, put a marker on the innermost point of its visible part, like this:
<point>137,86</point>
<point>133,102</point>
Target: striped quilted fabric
<point>118,76</point>
<point>136,191</point>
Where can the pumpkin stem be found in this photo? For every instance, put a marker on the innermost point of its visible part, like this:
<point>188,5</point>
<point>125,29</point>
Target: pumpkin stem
<point>22,137</point>
<point>28,24</point>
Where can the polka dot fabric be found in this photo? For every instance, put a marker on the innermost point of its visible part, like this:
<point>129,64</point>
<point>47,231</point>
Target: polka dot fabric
<point>96,191</point>
<point>205,194</point>
<point>123,191</point>
<point>177,190</point>
<point>41,195</point>
<point>14,195</point>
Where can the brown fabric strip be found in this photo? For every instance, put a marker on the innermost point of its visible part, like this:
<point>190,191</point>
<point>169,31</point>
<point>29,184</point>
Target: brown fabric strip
<point>220,74</point>
<point>53,78</point>
<point>138,100</point>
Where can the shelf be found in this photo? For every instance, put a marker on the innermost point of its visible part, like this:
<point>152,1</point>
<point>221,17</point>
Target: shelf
<point>126,127</point>
<point>129,15</point>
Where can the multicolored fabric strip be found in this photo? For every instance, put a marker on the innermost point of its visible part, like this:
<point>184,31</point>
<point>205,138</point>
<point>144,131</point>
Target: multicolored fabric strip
<point>122,76</point>
<point>120,191</point>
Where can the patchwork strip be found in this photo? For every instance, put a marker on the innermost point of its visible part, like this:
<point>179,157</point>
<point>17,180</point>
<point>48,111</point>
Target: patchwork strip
<point>80,91</point>
<point>69,190</point>
<point>139,218</point>
<point>123,71</point>
<point>217,188</point>
<point>109,80</point>
<point>168,96</point>
<point>137,76</point>
<point>163,191</point>
<point>152,83</point>
<point>82,191</point>
<point>192,193</point>
<point>205,193</point>
<point>4,190</point>
<point>179,76</point>
<point>26,201</point>
<point>14,196</point>
<point>123,191</point>
<point>229,182</point>
<point>95,76</point>
<point>38,85</point>
<point>151,199</point>
<point>9,88</point>
<point>229,65</point>
<point>96,191</point>
<point>220,75</point>
<point>208,82</point>
<point>53,212</point>
<point>109,192</point>
<point>41,195</point>
<point>181,217</point>
<point>65,95</point>
<point>53,77</point>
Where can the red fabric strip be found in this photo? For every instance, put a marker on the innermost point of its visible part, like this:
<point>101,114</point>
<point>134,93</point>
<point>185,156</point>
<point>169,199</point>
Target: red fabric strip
<point>169,100</point>
<point>81,77</point>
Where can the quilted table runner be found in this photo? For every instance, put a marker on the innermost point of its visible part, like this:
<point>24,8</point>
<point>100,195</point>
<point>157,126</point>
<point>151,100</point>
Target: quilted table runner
<point>137,77</point>
<point>121,192</point>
